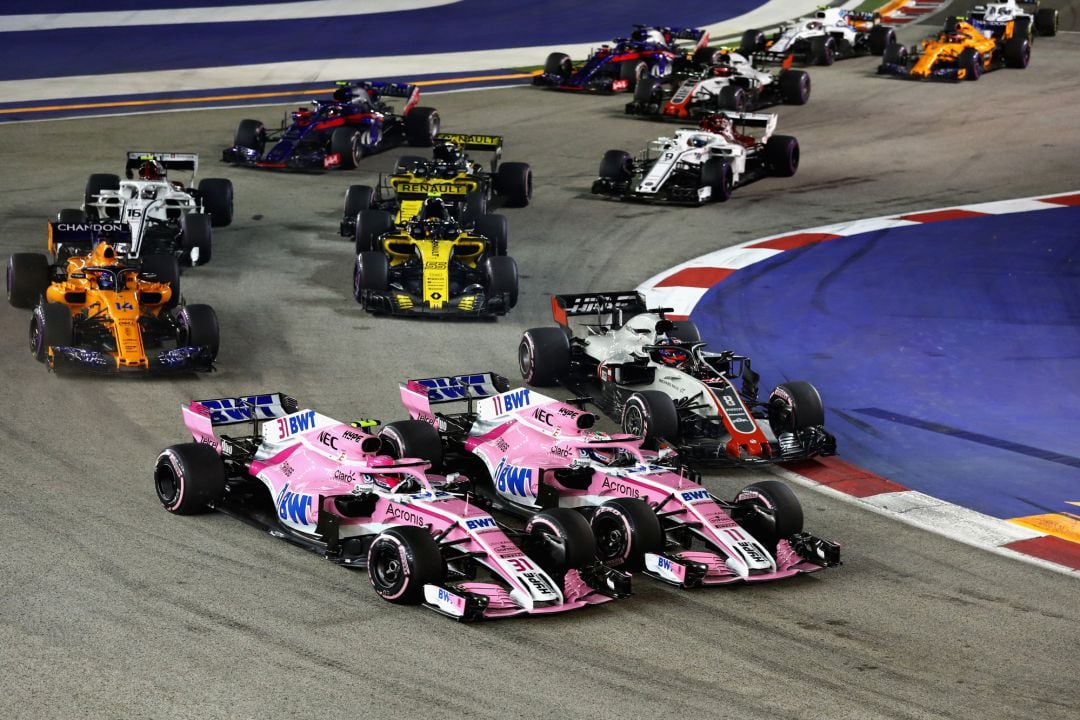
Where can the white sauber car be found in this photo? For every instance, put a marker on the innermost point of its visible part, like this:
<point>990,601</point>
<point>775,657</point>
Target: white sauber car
<point>734,83</point>
<point>702,164</point>
<point>993,18</point>
<point>161,214</point>
<point>830,34</point>
<point>655,377</point>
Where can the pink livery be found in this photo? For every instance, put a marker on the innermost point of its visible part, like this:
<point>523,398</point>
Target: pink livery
<point>338,490</point>
<point>529,454</point>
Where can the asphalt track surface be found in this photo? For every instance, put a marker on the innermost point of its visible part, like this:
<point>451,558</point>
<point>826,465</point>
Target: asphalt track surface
<point>112,608</point>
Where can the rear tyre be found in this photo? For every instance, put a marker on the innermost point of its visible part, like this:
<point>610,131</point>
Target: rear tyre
<point>770,512</point>
<point>971,63</point>
<point>632,71</point>
<point>195,234</point>
<point>401,560</point>
<point>1046,21</point>
<point>558,63</point>
<point>357,199</point>
<point>615,166</point>
<point>794,86</point>
<point>250,134</point>
<point>881,38</point>
<point>731,97</point>
<point>421,126</point>
<point>95,184</point>
<point>345,142</point>
<point>189,478</point>
<point>370,226</point>
<point>51,326</point>
<point>371,274</point>
<point>782,155</point>
<point>198,326</point>
<point>1022,28</point>
<point>751,42</point>
<point>475,207</point>
<point>166,270</point>
<point>563,540</point>
<point>501,278</point>
<point>625,529</point>
<point>544,356</point>
<point>717,174</point>
<point>795,406</point>
<point>27,279</point>
<point>73,216</point>
<point>413,439</point>
<point>647,92</point>
<point>514,183</point>
<point>823,50</point>
<point>496,229</point>
<point>651,415</point>
<point>1017,52</point>
<point>217,199</point>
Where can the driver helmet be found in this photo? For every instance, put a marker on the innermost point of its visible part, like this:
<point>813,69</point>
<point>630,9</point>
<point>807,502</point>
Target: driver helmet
<point>671,354</point>
<point>434,209</point>
<point>151,170</point>
<point>447,152</point>
<point>343,94</point>
<point>607,456</point>
<point>722,70</point>
<point>717,123</point>
<point>699,141</point>
<point>105,280</point>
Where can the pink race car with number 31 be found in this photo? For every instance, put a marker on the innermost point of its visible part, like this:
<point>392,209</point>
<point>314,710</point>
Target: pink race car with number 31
<point>334,489</point>
<point>529,454</point>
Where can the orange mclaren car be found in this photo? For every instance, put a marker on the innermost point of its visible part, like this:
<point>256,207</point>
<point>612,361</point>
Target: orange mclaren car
<point>960,52</point>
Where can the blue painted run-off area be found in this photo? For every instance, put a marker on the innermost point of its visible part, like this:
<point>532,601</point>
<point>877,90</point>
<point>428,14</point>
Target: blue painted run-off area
<point>947,354</point>
<point>467,25</point>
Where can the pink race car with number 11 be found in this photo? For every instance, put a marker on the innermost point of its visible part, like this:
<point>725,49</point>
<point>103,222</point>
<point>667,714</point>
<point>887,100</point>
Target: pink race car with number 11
<point>329,487</point>
<point>529,454</point>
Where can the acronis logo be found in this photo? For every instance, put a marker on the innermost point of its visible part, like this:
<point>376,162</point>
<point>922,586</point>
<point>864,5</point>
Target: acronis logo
<point>513,480</point>
<point>294,507</point>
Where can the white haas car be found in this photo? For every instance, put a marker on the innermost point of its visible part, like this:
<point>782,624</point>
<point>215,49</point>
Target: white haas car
<point>733,83</point>
<point>703,164</point>
<point>831,33</point>
<point>993,18</point>
<point>161,214</point>
<point>656,378</point>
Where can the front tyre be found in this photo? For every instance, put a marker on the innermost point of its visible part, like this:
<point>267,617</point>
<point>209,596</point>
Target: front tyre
<point>717,174</point>
<point>651,415</point>
<point>198,327</point>
<point>795,406</point>
<point>625,529</point>
<point>189,478</point>
<point>769,511</point>
<point>401,560</point>
<point>413,439</point>
<point>27,279</point>
<point>345,142</point>
<point>501,278</point>
<point>544,356</point>
<point>51,326</point>
<point>562,540</point>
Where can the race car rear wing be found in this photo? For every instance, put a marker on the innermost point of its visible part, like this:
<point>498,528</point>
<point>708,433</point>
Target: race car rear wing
<point>696,35</point>
<point>611,308</point>
<point>468,141</point>
<point>80,238</point>
<point>231,411</point>
<point>419,395</point>
<point>171,161</point>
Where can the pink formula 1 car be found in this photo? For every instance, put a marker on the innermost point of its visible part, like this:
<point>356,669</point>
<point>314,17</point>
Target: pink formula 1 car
<point>325,485</point>
<point>529,454</point>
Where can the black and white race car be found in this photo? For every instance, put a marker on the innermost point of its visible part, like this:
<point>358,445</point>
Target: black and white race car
<point>160,213</point>
<point>828,35</point>
<point>655,377</point>
<point>702,164</point>
<point>734,83</point>
<point>1027,18</point>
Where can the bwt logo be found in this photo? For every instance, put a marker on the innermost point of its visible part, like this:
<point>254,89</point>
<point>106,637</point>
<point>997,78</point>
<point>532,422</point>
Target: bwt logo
<point>480,523</point>
<point>454,388</point>
<point>514,480</point>
<point>663,563</point>
<point>227,410</point>
<point>294,507</point>
<point>296,423</point>
<point>694,495</point>
<point>511,401</point>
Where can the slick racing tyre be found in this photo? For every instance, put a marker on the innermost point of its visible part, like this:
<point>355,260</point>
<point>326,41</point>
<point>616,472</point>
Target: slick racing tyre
<point>717,174</point>
<point>196,238</point>
<point>706,57</point>
<point>496,229</point>
<point>51,326</point>
<point>198,326</point>
<point>632,71</point>
<point>625,529</point>
<point>895,55</point>
<point>371,274</point>
<point>189,478</point>
<point>782,155</point>
<point>558,63</point>
<point>1017,53</point>
<point>647,93</point>
<point>971,63</point>
<point>1046,21</point>
<point>651,415</point>
<point>94,185</point>
<point>514,183</point>
<point>751,42</point>
<point>421,126</point>
<point>217,200</point>
<point>357,199</point>
<point>476,205</point>
<point>562,540</point>
<point>349,144</point>
<point>769,511</point>
<point>501,278</point>
<point>370,226</point>
<point>823,50</point>
<point>795,406</point>
<point>615,166</point>
<point>881,37</point>
<point>401,561</point>
<point>544,356</point>
<point>731,97</point>
<point>794,86</point>
<point>413,439</point>
<point>250,134</point>
<point>27,279</point>
<point>164,269</point>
